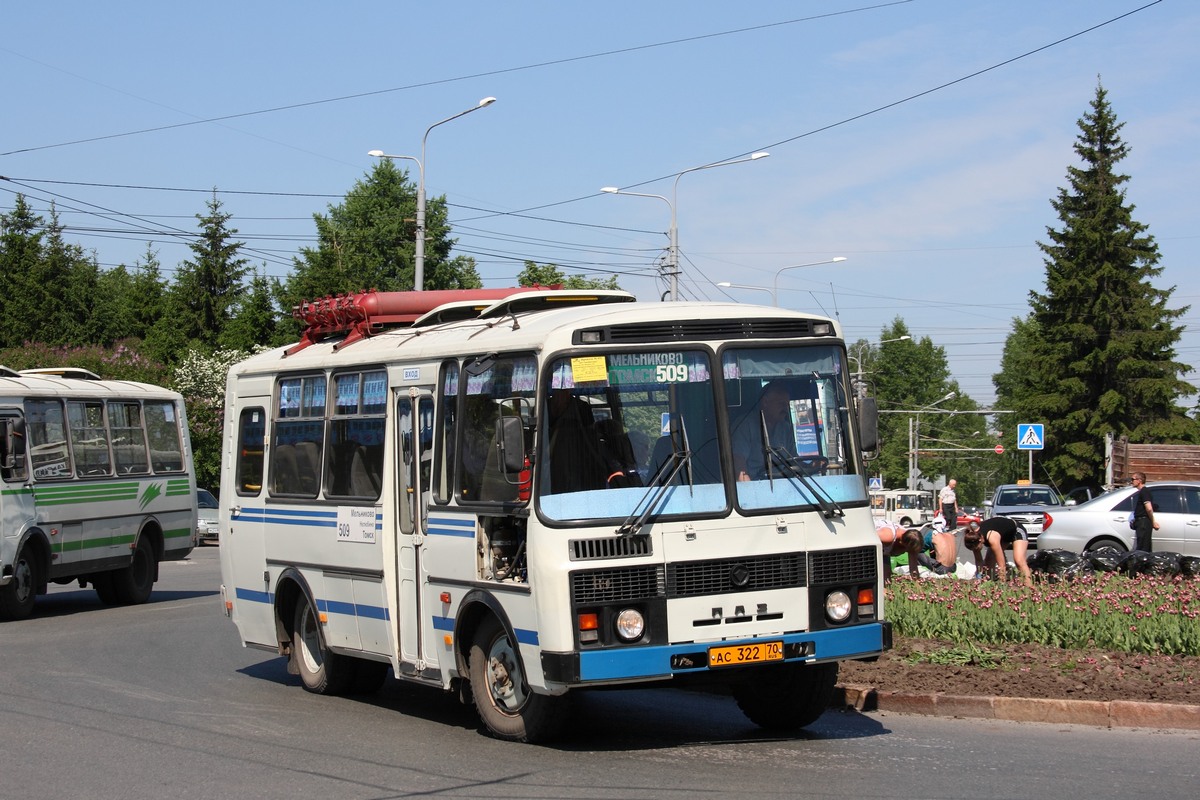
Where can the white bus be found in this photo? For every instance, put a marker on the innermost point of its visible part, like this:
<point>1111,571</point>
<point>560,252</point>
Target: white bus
<point>96,485</point>
<point>514,494</point>
<point>909,508</point>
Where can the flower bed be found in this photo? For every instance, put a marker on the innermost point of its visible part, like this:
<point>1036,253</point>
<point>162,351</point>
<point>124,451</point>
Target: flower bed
<point>1137,614</point>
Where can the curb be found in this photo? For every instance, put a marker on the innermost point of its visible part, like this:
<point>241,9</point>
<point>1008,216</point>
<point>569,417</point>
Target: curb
<point>1097,713</point>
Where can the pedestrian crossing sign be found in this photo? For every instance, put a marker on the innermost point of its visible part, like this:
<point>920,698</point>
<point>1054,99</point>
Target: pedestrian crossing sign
<point>875,484</point>
<point>1030,436</point>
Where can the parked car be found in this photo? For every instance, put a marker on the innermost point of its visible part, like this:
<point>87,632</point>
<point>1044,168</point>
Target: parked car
<point>1026,503</point>
<point>207,527</point>
<point>1105,520</point>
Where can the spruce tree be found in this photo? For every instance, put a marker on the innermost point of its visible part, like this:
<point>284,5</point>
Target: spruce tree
<point>1097,353</point>
<point>208,287</point>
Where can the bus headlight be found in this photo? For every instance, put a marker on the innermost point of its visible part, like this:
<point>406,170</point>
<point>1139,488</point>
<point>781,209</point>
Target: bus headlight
<point>630,625</point>
<point>837,606</point>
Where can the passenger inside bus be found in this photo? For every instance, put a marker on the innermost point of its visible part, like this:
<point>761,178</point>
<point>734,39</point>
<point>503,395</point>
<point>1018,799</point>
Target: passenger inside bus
<point>576,463</point>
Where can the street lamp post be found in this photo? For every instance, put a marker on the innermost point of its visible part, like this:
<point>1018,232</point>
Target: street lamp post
<point>914,437</point>
<point>673,252</point>
<point>858,362</point>
<point>419,249</point>
<point>775,285</point>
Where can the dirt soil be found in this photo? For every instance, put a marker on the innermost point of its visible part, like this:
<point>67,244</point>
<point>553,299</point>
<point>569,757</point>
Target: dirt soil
<point>922,666</point>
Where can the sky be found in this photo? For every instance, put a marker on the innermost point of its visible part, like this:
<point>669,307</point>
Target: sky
<point>922,141</point>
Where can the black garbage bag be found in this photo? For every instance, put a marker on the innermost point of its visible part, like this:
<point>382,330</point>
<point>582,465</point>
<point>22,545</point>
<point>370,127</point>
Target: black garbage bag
<point>1060,563</point>
<point>1189,566</point>
<point>1082,567</point>
<point>1163,564</point>
<point>1134,562</point>
<point>1104,559</point>
<point>1036,559</point>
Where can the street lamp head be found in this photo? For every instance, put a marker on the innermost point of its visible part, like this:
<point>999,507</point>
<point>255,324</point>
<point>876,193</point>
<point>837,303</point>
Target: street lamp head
<point>758,155</point>
<point>375,153</point>
<point>487,101</point>
<point>725,284</point>
<point>949,396</point>
<point>610,189</point>
<point>836,259</point>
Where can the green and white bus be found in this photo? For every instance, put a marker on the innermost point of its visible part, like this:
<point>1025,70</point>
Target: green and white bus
<point>96,485</point>
<point>515,495</point>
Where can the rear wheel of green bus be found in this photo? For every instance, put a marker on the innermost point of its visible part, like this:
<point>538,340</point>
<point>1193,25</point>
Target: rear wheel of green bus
<point>506,704</point>
<point>132,585</point>
<point>786,697</point>
<point>18,595</point>
<point>321,671</point>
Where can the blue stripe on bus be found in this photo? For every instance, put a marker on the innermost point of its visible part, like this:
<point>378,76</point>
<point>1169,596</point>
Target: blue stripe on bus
<point>524,635</point>
<point>646,662</point>
<point>254,596</point>
<point>328,606</point>
<point>451,526</point>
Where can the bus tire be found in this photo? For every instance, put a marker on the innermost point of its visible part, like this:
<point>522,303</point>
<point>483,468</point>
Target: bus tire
<point>132,584</point>
<point>786,697</point>
<point>321,671</point>
<point>18,595</point>
<point>506,705</point>
<point>102,582</point>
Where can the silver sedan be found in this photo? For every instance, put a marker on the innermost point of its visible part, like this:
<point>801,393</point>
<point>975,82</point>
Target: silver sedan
<point>1105,521</point>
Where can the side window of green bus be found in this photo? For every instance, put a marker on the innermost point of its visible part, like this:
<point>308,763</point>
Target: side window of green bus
<point>162,434</point>
<point>46,429</point>
<point>89,438</point>
<point>248,464</point>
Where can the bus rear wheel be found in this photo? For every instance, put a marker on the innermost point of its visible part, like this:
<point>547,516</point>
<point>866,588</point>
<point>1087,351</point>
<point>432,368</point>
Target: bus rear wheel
<point>787,697</point>
<point>18,595</point>
<point>132,585</point>
<point>506,705</point>
<point>321,671</point>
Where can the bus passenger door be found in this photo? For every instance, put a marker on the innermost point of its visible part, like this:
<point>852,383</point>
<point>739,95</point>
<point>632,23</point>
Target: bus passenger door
<point>414,451</point>
<point>242,516</point>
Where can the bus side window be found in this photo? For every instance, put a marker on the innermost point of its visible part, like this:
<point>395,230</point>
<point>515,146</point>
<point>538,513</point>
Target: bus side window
<point>128,438</point>
<point>89,438</point>
<point>162,433</point>
<point>446,429</point>
<point>248,467</point>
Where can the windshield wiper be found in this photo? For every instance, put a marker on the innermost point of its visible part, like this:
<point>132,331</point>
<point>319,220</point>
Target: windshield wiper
<point>660,483</point>
<point>774,454</point>
<point>829,506</point>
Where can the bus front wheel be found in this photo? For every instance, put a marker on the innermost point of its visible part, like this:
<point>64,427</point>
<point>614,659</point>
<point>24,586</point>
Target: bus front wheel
<point>506,704</point>
<point>787,697</point>
<point>18,595</point>
<point>321,671</point>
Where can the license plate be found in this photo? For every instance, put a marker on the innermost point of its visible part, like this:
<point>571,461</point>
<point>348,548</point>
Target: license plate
<point>732,655</point>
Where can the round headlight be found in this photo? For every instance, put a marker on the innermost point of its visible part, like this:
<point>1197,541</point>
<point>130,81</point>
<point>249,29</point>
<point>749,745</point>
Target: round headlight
<point>630,624</point>
<point>837,606</point>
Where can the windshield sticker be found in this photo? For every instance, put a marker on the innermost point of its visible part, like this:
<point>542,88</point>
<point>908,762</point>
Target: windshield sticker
<point>588,369</point>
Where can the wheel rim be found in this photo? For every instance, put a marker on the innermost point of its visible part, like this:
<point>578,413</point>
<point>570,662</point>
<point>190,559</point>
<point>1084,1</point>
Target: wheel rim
<point>505,683</point>
<point>310,641</point>
<point>23,578</point>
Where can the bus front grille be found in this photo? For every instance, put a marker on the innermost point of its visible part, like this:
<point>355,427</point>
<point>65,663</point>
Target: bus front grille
<point>856,565</point>
<point>699,578</point>
<point>595,587</point>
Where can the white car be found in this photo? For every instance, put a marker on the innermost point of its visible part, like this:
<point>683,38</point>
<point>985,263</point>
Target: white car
<point>1104,520</point>
<point>208,528</point>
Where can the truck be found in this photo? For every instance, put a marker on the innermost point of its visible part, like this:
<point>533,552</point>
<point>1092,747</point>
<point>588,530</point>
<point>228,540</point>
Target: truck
<point>1160,462</point>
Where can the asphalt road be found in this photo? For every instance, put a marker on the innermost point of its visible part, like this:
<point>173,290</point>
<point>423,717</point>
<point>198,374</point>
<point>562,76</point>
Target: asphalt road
<point>161,701</point>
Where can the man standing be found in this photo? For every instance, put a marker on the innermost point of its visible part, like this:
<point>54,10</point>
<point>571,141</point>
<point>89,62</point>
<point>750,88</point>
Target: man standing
<point>1144,523</point>
<point>949,502</point>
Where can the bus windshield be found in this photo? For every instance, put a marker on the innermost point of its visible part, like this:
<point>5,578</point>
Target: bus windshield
<point>628,432</point>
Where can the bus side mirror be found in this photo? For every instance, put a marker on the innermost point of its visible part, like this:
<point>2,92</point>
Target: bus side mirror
<point>868,424</point>
<point>510,434</point>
